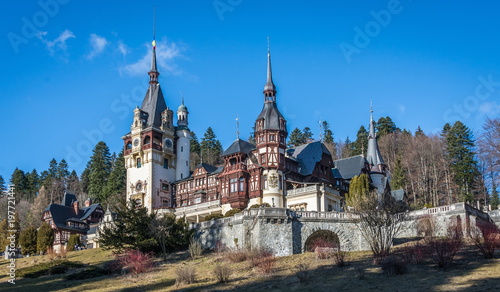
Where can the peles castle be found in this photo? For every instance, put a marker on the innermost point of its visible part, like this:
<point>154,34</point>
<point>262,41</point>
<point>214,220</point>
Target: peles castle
<point>303,178</point>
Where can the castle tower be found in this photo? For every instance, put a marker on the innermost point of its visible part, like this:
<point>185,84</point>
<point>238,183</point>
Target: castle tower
<point>149,148</point>
<point>183,143</point>
<point>378,169</point>
<point>270,138</point>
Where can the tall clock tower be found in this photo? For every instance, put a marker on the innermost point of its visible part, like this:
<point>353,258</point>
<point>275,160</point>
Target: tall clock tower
<point>150,157</point>
<point>270,136</point>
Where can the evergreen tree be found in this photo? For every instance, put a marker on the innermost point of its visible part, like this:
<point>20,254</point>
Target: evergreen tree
<point>3,187</point>
<point>359,188</point>
<point>73,183</point>
<point>347,148</point>
<point>116,184</point>
<point>33,184</point>
<point>308,135</point>
<point>195,148</point>
<point>53,168</point>
<point>296,138</point>
<point>385,126</point>
<point>251,138</point>
<point>74,240</point>
<point>361,144</point>
<point>20,182</point>
<point>419,131</point>
<point>27,240</point>
<point>85,179</point>
<point>45,238</point>
<point>62,171</point>
<point>211,148</point>
<point>460,146</point>
<point>99,171</point>
<point>398,175</point>
<point>328,139</point>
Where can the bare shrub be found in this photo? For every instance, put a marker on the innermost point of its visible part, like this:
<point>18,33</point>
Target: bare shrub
<point>303,273</point>
<point>394,265</point>
<point>324,252</point>
<point>443,250</point>
<point>339,258</point>
<point>222,273</point>
<point>195,249</point>
<point>185,275</point>
<point>321,238</point>
<point>52,255</point>
<point>484,237</point>
<point>264,260</point>
<point>415,253</point>
<point>219,247</point>
<point>237,255</point>
<point>135,261</point>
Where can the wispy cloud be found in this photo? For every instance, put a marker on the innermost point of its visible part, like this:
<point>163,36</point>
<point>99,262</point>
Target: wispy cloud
<point>98,44</point>
<point>402,109</point>
<point>166,53</point>
<point>58,43</point>
<point>489,108</point>
<point>122,48</point>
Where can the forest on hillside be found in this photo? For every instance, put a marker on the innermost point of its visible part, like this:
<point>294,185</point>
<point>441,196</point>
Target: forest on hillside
<point>434,169</point>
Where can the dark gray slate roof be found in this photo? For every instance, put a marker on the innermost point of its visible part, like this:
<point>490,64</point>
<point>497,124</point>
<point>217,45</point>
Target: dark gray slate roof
<point>271,116</point>
<point>309,155</point>
<point>349,167</point>
<point>207,167</point>
<point>239,146</point>
<point>68,199</point>
<point>154,104</point>
<point>63,213</point>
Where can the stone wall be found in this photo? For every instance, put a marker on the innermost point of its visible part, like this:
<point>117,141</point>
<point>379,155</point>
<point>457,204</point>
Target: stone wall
<point>284,232</point>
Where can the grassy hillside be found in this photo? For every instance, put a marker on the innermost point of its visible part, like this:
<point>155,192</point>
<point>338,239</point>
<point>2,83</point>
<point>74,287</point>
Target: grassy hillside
<point>469,272</point>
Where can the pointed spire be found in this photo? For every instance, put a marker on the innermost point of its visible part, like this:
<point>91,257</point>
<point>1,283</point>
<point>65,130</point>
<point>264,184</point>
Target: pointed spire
<point>373,155</point>
<point>153,73</point>
<point>269,88</point>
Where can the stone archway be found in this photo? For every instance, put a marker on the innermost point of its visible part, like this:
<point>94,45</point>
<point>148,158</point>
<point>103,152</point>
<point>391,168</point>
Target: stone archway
<point>344,233</point>
<point>321,238</point>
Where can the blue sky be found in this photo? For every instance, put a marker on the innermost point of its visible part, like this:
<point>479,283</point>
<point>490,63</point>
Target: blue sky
<point>72,71</point>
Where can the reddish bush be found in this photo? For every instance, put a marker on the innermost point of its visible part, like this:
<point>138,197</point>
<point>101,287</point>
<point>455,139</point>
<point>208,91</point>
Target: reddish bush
<point>135,261</point>
<point>415,253</point>
<point>485,236</point>
<point>264,260</point>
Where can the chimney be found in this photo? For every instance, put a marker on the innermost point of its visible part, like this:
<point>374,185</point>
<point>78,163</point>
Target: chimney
<point>76,207</point>
<point>88,202</point>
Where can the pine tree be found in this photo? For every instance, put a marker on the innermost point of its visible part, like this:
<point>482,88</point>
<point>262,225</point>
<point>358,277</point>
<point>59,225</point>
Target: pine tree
<point>211,148</point>
<point>328,139</point>
<point>385,126</point>
<point>460,151</point>
<point>359,188</point>
<point>361,144</point>
<point>195,148</point>
<point>251,138</point>
<point>74,240</point>
<point>308,135</point>
<point>3,187</point>
<point>53,168</point>
<point>99,171</point>
<point>419,131</point>
<point>33,184</point>
<point>296,138</point>
<point>398,177</point>
<point>45,238</point>
<point>20,182</point>
<point>84,179</point>
<point>27,240</point>
<point>117,179</point>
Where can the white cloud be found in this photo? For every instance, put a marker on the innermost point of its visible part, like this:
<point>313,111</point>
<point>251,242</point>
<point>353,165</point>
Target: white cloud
<point>122,48</point>
<point>402,108</point>
<point>166,53</point>
<point>98,44</point>
<point>58,43</point>
<point>489,109</point>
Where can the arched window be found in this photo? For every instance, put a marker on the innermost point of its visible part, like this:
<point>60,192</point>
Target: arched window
<point>128,146</point>
<point>147,140</point>
<point>139,163</point>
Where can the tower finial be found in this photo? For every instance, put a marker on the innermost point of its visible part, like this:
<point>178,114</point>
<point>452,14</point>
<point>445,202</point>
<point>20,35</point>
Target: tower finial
<point>269,88</point>
<point>153,73</point>
<point>237,127</point>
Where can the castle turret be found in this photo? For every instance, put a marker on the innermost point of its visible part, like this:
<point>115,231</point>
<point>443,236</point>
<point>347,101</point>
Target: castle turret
<point>183,143</point>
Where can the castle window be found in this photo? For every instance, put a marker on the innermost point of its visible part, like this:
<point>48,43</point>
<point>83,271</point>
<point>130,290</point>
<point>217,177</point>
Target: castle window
<point>128,146</point>
<point>139,163</point>
<point>263,158</point>
<point>187,164</point>
<point>272,138</point>
<point>264,182</point>
<point>147,140</point>
<point>232,161</point>
<point>165,163</point>
<point>164,187</point>
<point>242,184</point>
<point>182,148</point>
<point>234,185</point>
